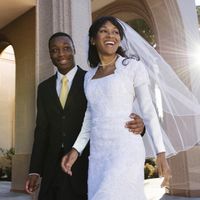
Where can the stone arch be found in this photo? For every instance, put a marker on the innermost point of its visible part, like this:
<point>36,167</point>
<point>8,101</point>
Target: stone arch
<point>170,31</point>
<point>7,104</point>
<point>8,67</point>
<point>126,10</point>
<point>21,35</point>
<point>4,42</point>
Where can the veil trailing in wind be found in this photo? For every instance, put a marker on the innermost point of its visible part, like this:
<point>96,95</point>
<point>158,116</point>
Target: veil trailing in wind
<point>180,107</point>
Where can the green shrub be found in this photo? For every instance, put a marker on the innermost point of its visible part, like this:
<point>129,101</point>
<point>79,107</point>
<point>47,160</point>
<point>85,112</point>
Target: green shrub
<point>6,163</point>
<point>150,170</point>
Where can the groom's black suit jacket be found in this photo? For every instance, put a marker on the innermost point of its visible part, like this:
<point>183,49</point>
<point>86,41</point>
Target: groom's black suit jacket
<point>56,126</point>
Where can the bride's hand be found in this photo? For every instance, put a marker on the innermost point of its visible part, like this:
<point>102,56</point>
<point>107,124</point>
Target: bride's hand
<point>163,169</point>
<point>68,160</point>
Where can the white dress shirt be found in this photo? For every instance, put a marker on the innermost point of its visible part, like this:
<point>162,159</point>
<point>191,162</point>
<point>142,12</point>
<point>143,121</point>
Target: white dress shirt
<point>70,76</point>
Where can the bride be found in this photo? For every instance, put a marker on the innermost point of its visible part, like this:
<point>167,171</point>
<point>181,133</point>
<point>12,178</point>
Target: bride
<point>118,83</point>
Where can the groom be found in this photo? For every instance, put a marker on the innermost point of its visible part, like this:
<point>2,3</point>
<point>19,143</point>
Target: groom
<point>57,128</point>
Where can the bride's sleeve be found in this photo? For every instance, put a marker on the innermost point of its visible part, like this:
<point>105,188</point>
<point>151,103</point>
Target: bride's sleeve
<point>84,135</point>
<point>147,109</point>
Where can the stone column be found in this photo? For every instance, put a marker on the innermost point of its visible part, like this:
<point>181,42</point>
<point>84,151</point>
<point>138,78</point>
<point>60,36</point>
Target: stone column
<point>185,173</point>
<point>186,165</point>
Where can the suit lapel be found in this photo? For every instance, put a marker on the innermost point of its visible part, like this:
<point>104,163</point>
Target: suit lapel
<point>53,92</point>
<point>76,86</point>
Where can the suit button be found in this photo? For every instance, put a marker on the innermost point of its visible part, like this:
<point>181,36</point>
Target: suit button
<point>63,134</point>
<point>63,117</point>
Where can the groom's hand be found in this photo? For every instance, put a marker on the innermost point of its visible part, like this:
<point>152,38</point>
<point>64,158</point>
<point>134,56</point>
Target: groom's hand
<point>135,125</point>
<point>32,183</point>
<point>68,160</point>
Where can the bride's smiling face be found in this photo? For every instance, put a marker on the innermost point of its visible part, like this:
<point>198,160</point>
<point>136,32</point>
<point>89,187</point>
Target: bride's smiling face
<point>107,39</point>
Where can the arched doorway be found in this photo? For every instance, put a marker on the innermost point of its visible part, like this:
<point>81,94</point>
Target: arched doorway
<point>7,110</point>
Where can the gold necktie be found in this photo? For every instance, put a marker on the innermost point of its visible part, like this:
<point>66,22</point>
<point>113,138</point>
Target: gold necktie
<point>64,91</point>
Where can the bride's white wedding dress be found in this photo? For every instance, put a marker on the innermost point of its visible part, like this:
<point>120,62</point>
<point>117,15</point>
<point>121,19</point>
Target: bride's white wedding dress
<point>116,162</point>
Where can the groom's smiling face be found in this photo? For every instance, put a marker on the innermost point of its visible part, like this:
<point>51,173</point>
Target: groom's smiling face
<point>62,53</point>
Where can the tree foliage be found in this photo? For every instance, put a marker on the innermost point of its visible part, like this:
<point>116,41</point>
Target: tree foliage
<point>198,10</point>
<point>143,29</point>
<point>198,13</point>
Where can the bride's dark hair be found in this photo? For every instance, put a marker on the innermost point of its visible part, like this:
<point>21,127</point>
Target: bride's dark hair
<point>93,56</point>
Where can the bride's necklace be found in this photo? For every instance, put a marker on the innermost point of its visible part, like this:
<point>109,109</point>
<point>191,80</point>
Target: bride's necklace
<point>106,64</point>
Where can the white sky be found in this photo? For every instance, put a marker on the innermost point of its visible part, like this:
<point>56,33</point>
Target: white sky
<point>197,2</point>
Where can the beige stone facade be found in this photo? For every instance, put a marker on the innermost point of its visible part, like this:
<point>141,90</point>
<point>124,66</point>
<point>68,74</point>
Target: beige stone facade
<point>21,35</point>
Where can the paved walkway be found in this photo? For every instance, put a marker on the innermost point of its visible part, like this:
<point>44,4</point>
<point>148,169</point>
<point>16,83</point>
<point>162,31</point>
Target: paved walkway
<point>152,191</point>
<point>5,193</point>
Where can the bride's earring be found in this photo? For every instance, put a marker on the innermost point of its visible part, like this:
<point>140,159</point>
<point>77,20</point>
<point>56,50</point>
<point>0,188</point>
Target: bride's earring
<point>92,42</point>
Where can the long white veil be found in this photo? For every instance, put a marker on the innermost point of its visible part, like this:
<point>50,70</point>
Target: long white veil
<point>180,107</point>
